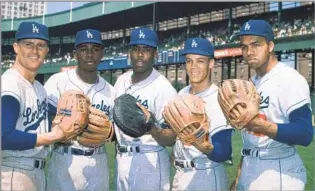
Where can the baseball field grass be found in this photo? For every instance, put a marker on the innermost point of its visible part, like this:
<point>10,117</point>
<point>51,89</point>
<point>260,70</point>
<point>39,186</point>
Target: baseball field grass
<point>307,154</point>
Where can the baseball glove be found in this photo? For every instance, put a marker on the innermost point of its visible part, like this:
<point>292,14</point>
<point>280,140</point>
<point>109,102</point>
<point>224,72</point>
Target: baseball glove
<point>186,115</point>
<point>239,101</point>
<point>131,117</point>
<point>98,131</point>
<point>72,114</point>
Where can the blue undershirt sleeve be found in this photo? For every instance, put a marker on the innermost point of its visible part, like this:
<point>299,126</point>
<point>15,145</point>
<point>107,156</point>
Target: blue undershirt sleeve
<point>52,110</point>
<point>13,139</point>
<point>222,146</point>
<point>299,131</point>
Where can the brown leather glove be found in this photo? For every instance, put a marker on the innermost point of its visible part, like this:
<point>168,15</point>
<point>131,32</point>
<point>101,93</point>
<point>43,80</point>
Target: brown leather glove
<point>99,130</point>
<point>239,101</point>
<point>72,114</point>
<point>187,117</point>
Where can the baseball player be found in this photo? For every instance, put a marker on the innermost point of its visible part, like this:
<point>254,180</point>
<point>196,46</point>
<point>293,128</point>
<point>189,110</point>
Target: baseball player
<point>24,123</point>
<point>197,168</point>
<point>73,166</point>
<point>143,163</point>
<point>270,159</point>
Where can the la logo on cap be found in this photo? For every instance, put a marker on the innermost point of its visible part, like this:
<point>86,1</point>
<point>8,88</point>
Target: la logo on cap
<point>88,34</point>
<point>247,26</point>
<point>141,34</point>
<point>35,29</point>
<point>194,44</point>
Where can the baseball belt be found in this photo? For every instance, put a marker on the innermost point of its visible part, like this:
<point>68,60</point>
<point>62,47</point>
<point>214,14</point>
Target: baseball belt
<point>76,151</point>
<point>270,153</point>
<point>197,163</point>
<point>138,148</point>
<point>24,163</point>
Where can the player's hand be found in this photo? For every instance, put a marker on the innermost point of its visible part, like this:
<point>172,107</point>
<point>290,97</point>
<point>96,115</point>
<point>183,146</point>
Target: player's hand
<point>262,127</point>
<point>154,130</point>
<point>252,124</point>
<point>255,124</point>
<point>57,134</point>
<point>202,146</point>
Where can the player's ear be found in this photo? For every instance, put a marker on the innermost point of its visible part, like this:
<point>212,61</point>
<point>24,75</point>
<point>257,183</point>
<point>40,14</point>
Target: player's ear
<point>211,64</point>
<point>156,53</point>
<point>74,54</point>
<point>271,46</point>
<point>16,47</point>
<point>130,49</point>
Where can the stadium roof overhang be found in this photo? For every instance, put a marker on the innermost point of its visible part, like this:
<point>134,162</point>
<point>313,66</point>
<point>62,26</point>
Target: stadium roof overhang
<point>137,16</point>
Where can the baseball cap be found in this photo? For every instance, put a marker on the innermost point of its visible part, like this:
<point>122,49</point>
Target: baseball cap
<point>257,28</point>
<point>32,30</point>
<point>88,36</point>
<point>143,36</point>
<point>200,46</point>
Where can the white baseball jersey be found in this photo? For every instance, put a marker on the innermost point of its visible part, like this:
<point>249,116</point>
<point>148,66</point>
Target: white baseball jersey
<point>153,93</point>
<point>279,167</point>
<point>101,94</point>
<point>33,116</point>
<point>83,172</point>
<point>217,119</point>
<point>213,176</point>
<point>282,90</point>
<point>146,170</point>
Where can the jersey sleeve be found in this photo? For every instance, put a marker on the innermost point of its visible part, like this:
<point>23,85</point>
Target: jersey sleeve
<point>118,86</point>
<point>113,93</point>
<point>10,89</point>
<point>162,100</point>
<point>294,95</point>
<point>12,96</point>
<point>11,138</point>
<point>218,121</point>
<point>53,93</point>
<point>112,98</point>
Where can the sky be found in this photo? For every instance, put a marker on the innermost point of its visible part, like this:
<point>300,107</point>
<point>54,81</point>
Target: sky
<point>54,7</point>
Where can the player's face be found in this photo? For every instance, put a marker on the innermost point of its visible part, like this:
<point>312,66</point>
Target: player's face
<point>142,58</point>
<point>89,56</point>
<point>198,68</point>
<point>31,53</point>
<point>256,50</point>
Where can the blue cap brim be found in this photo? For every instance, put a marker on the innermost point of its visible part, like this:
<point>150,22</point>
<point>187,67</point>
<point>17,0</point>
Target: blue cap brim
<point>202,53</point>
<point>32,36</point>
<point>253,33</point>
<point>143,42</point>
<point>90,41</point>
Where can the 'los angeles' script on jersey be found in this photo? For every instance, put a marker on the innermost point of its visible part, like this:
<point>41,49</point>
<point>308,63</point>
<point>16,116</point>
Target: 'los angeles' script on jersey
<point>39,112</point>
<point>105,108</point>
<point>144,102</point>
<point>264,101</point>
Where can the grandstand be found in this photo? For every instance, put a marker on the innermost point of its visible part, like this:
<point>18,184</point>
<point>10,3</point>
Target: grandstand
<point>293,24</point>
<point>215,21</point>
